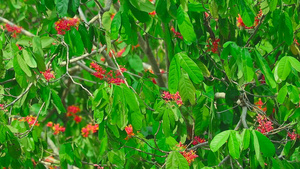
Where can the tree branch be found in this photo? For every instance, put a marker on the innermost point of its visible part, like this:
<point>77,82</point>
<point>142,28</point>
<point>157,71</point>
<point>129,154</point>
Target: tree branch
<point>25,32</point>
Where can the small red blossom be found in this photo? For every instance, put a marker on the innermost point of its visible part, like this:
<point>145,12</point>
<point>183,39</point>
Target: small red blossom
<point>153,13</point>
<point>260,105</point>
<point>263,80</point>
<point>13,29</point>
<point>296,42</point>
<point>111,76</point>
<point>86,130</point>
<point>77,119</point>
<point>214,46</point>
<point>198,140</point>
<point>112,15</point>
<point>20,47</point>
<point>2,106</point>
<point>120,53</point>
<point>48,74</point>
<point>172,97</point>
<point>265,125</point>
<point>293,135</point>
<point>240,22</point>
<point>57,129</point>
<point>65,24</point>
<point>206,14</point>
<point>30,120</point>
<point>72,110</point>
<point>177,34</point>
<point>129,131</point>
<point>189,156</point>
<point>49,124</point>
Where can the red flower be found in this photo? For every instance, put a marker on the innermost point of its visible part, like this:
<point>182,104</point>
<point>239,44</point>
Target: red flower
<point>129,131</point>
<point>296,42</point>
<point>72,110</point>
<point>57,129</point>
<point>214,47</point>
<point>86,130</point>
<point>30,120</point>
<point>112,15</point>
<point>119,54</point>
<point>13,29</point>
<point>48,74</point>
<point>264,124</point>
<point>189,156</point>
<point>177,34</point>
<point>198,140</point>
<point>49,124</point>
<point>293,135</point>
<point>77,119</point>
<point>260,105</point>
<point>65,24</point>
<point>152,13</point>
<point>173,97</point>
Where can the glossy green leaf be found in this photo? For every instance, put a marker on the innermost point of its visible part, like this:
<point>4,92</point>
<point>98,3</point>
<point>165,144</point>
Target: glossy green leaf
<point>137,119</point>
<point>29,59</point>
<point>185,26</point>
<point>186,89</point>
<point>24,66</point>
<point>190,67</point>
<point>246,13</point>
<point>246,138</point>
<point>176,160</point>
<point>115,25</point>
<point>265,70</point>
<point>282,69</point>
<point>87,41</point>
<point>143,5</point>
<point>293,93</point>
<point>174,75</point>
<point>266,146</point>
<point>38,53</point>
<point>66,153</point>
<point>282,94</point>
<point>57,102</point>
<point>288,28</point>
<point>166,124</point>
<point>255,143</point>
<point>272,4</point>
<point>136,63</point>
<point>62,7</point>
<point>117,157</point>
<point>13,145</point>
<point>219,140</point>
<point>234,145</point>
<point>74,41</point>
<point>294,63</point>
<point>247,65</point>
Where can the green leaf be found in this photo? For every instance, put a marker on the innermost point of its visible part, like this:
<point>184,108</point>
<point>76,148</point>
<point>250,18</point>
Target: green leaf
<point>174,75</point>
<point>87,42</point>
<point>256,145</point>
<point>57,102</point>
<point>166,124</point>
<point>247,65</point>
<point>176,160</point>
<point>272,4</point>
<point>246,13</point>
<point>74,41</point>
<point>98,116</point>
<point>24,66</point>
<point>13,145</point>
<point>293,93</point>
<point>190,67</point>
<point>46,41</point>
<point>117,157</point>
<point>288,28</point>
<point>38,53</point>
<point>246,139</point>
<point>74,4</point>
<point>29,59</point>
<point>282,69</point>
<point>136,63</point>
<point>219,140</point>
<point>282,94</point>
<point>186,89</point>
<point>185,26</point>
<point>265,70</point>
<point>137,119</point>
<point>294,63</point>
<point>66,153</point>
<point>62,7</point>
<point>115,25</point>
<point>234,145</point>
<point>266,146</point>
<point>143,5</point>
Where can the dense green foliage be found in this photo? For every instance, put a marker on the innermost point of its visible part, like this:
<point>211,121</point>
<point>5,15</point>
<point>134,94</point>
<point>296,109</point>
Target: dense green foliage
<point>149,84</point>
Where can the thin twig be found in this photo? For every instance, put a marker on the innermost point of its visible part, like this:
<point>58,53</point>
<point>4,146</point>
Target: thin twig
<point>255,31</point>
<point>19,97</point>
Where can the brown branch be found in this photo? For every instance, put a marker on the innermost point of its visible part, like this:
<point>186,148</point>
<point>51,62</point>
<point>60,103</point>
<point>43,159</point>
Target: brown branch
<point>147,50</point>
<point>25,32</point>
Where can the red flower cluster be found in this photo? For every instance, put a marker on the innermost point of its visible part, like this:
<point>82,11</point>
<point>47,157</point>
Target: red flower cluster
<point>173,97</point>
<point>48,74</point>
<point>1,106</point>
<point>265,125</point>
<point>13,29</point>
<point>86,130</point>
<point>20,47</point>
<point>56,127</point>
<point>177,34</point>
<point>240,22</point>
<point>293,135</point>
<point>260,105</point>
<point>65,24</point>
<point>30,120</point>
<point>119,54</point>
<point>214,46</point>
<point>112,15</point>
<point>296,42</point>
<point>129,131</point>
<point>188,155</point>
<point>111,77</point>
<point>72,110</point>
<point>198,140</point>
<point>153,13</point>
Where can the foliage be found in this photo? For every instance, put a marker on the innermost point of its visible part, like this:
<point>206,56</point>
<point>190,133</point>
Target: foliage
<point>149,84</point>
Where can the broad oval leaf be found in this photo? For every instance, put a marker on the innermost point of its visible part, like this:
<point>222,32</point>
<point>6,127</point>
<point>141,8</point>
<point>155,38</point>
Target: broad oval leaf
<point>24,66</point>
<point>266,146</point>
<point>234,145</point>
<point>186,88</point>
<point>282,94</point>
<point>190,67</point>
<point>115,26</point>
<point>57,102</point>
<point>29,59</point>
<point>176,160</point>
<point>185,26</point>
<point>174,75</point>
<point>219,140</point>
<point>282,69</point>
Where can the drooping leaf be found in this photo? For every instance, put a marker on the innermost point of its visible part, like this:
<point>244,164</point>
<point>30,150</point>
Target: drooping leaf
<point>174,76</point>
<point>62,7</point>
<point>57,102</point>
<point>176,160</point>
<point>24,66</point>
<point>219,140</point>
<point>38,53</point>
<point>29,59</point>
<point>186,89</point>
<point>282,69</point>
<point>266,146</point>
<point>234,145</point>
<point>246,13</point>
<point>115,25</point>
<point>185,26</point>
